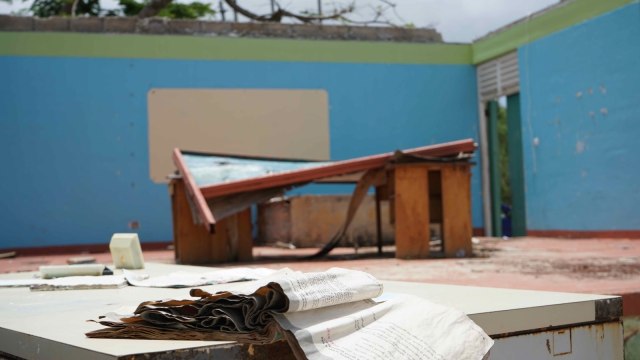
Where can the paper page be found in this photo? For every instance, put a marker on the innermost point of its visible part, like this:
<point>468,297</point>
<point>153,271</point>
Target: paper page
<point>405,327</point>
<point>321,289</point>
<point>191,279</point>
<point>20,282</point>
<point>68,283</point>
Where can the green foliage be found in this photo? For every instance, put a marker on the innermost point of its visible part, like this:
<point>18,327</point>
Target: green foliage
<point>46,8</point>
<point>131,7</point>
<point>505,184</point>
<point>193,10</point>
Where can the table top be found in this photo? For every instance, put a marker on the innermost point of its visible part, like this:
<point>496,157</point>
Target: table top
<point>52,324</point>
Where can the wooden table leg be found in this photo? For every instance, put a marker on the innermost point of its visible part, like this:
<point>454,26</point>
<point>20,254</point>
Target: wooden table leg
<point>378,220</point>
<point>412,212</point>
<point>244,236</point>
<point>232,240</point>
<point>456,208</point>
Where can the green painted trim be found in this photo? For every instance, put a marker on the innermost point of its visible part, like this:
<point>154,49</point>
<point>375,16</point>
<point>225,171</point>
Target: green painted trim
<point>224,48</point>
<point>554,20</point>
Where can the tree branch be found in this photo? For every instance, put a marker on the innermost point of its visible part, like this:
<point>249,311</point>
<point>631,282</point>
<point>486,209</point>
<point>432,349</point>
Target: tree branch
<point>155,6</point>
<point>73,8</point>
<point>239,9</point>
<point>280,14</point>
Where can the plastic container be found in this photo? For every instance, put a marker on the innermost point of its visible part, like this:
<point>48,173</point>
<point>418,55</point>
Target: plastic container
<point>126,252</point>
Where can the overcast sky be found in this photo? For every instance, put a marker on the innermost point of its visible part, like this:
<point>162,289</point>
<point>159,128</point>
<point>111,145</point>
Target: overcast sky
<point>456,20</point>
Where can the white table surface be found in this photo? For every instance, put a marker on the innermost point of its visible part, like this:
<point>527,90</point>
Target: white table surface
<point>52,324</point>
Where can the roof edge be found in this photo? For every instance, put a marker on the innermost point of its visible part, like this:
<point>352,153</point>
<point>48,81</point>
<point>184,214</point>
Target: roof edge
<point>552,19</point>
<point>164,26</point>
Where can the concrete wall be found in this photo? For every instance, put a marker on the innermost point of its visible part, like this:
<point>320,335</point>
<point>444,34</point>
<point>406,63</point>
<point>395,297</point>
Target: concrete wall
<point>311,221</point>
<point>73,117</point>
<point>134,25</point>
<point>580,94</point>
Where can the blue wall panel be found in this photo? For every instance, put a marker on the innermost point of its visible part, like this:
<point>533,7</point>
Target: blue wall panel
<point>580,91</point>
<point>73,132</point>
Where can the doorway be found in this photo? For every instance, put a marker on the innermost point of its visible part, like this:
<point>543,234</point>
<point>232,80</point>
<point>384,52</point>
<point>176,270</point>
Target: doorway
<point>506,166</point>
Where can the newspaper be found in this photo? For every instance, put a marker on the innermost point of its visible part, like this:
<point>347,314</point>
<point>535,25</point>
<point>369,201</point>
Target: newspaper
<point>68,283</point>
<point>140,278</point>
<point>306,291</point>
<point>405,327</point>
<point>323,315</point>
<point>190,279</point>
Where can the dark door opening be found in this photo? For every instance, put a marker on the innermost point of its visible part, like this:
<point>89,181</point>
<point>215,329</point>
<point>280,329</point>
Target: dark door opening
<point>506,167</point>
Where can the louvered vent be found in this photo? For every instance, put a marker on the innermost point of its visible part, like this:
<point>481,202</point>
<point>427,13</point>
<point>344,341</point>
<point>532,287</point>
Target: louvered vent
<point>499,77</point>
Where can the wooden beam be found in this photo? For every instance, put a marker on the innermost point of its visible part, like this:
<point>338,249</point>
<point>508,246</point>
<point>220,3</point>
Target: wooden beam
<point>412,212</point>
<point>391,196</point>
<point>379,218</point>
<point>456,210</point>
<point>244,236</point>
<point>192,242</point>
<point>194,192</point>
<point>338,168</point>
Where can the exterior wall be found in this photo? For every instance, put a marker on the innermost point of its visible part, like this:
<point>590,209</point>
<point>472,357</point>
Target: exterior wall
<point>580,93</point>
<point>73,117</point>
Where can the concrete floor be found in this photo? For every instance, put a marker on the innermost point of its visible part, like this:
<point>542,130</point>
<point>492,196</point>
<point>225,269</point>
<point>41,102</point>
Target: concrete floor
<point>599,266</point>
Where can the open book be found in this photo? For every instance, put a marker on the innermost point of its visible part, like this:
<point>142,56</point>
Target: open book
<point>322,315</point>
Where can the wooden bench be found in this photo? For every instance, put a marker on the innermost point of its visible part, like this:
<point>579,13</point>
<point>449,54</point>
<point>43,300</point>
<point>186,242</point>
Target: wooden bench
<point>428,193</point>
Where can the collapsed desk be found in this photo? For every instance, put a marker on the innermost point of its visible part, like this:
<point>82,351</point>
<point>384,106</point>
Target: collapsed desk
<point>212,197</point>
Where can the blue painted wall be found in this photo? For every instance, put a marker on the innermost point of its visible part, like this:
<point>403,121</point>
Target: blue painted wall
<point>73,132</point>
<point>580,93</point>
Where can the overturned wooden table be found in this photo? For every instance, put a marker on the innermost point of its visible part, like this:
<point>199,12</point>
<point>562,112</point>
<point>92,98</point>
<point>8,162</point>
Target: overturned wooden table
<point>212,196</point>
